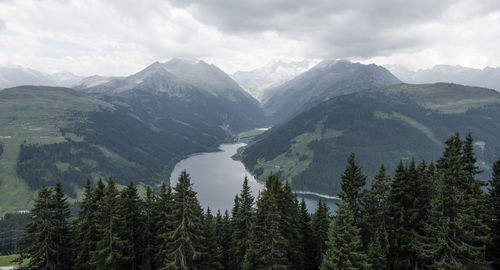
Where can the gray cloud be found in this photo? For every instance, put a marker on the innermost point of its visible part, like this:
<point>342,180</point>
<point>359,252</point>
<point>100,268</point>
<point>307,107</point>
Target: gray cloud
<point>2,25</point>
<point>342,28</point>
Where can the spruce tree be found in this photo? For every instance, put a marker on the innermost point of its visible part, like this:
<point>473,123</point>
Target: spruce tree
<point>184,247</point>
<point>38,243</point>
<point>223,230</point>
<point>130,227</point>
<point>85,229</point>
<point>374,220</point>
<point>307,238</point>
<point>110,247</point>
<point>164,225</point>
<point>290,226</point>
<point>149,231</point>
<point>243,212</point>
<point>344,247</point>
<point>493,250</point>
<point>267,248</point>
<point>453,237</point>
<point>320,224</point>
<point>352,180</point>
<point>62,229</point>
<point>400,202</point>
<point>210,260</point>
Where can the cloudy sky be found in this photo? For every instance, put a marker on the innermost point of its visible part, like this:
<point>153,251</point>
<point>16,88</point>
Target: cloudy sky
<point>119,37</point>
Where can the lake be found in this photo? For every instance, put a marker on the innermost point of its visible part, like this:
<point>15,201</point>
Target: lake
<point>217,178</point>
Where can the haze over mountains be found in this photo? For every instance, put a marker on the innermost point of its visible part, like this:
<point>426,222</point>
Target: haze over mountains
<point>488,77</point>
<point>271,75</point>
<point>15,76</point>
<point>138,127</point>
<point>135,128</point>
<point>328,79</point>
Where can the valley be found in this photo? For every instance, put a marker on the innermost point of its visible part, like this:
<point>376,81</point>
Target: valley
<point>145,126</point>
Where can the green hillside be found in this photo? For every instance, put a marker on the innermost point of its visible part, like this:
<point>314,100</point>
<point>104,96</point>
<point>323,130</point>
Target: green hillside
<point>34,115</point>
<point>380,126</point>
<point>58,133</point>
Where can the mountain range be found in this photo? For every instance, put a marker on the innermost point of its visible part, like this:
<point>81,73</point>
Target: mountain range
<point>16,76</point>
<point>381,126</point>
<point>488,77</point>
<point>326,80</point>
<point>138,127</point>
<point>135,128</point>
<point>257,81</point>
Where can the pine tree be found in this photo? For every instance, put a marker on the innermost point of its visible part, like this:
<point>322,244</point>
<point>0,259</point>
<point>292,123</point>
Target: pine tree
<point>452,237</point>
<point>223,229</point>
<point>475,230</point>
<point>38,243</point>
<point>130,227</point>
<point>374,220</point>
<point>243,212</point>
<point>267,248</point>
<point>164,225</point>
<point>62,229</point>
<point>290,226</point>
<point>352,180</point>
<point>320,224</point>
<point>307,239</point>
<point>85,229</point>
<point>149,232</point>
<point>210,260</point>
<point>109,250</point>
<point>344,242</point>
<point>184,247</point>
<point>493,250</point>
<point>400,201</point>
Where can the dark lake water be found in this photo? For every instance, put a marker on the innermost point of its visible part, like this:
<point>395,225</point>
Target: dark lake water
<point>217,178</point>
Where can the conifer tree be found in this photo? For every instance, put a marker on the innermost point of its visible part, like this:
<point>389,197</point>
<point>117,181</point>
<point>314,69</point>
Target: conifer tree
<point>62,229</point>
<point>38,245</point>
<point>223,229</point>
<point>453,238</point>
<point>164,225</point>
<point>493,250</point>
<point>110,247</point>
<point>149,232</point>
<point>184,246</point>
<point>130,226</point>
<point>320,224</point>
<point>400,201</point>
<point>267,248</point>
<point>243,212</point>
<point>290,226</point>
<point>352,180</point>
<point>307,239</point>
<point>85,229</point>
<point>344,247</point>
<point>374,221</point>
<point>210,260</point>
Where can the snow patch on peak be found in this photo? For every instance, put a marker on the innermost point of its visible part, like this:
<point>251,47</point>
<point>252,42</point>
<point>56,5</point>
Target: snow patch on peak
<point>271,75</point>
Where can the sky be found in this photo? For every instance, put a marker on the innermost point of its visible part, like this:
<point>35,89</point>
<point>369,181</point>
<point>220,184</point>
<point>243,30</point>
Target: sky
<point>120,37</point>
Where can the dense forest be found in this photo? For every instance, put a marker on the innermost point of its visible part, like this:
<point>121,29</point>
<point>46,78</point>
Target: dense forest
<point>433,215</point>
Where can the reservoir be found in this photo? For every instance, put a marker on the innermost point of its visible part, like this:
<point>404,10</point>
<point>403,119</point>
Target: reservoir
<point>217,178</point>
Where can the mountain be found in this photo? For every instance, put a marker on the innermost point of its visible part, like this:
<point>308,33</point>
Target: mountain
<point>16,76</point>
<point>187,80</point>
<point>327,79</point>
<point>380,126</point>
<point>488,77</point>
<point>271,75</point>
<point>65,79</point>
<point>135,128</point>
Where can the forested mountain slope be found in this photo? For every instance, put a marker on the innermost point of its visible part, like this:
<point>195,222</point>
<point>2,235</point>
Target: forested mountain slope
<point>381,126</point>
